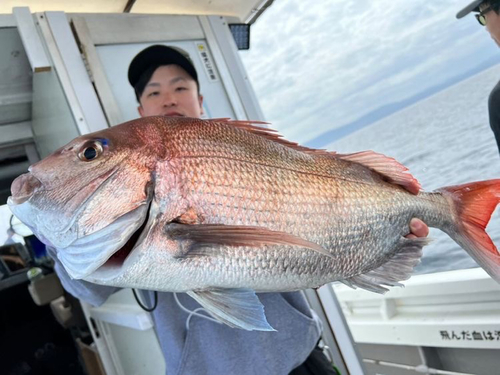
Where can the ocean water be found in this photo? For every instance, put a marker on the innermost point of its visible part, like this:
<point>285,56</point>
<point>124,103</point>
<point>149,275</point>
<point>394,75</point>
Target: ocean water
<point>444,140</point>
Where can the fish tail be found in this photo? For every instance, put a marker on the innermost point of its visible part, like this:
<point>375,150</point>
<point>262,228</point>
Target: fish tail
<point>474,203</point>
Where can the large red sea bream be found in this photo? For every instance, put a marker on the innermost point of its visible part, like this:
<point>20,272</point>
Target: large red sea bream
<point>223,209</point>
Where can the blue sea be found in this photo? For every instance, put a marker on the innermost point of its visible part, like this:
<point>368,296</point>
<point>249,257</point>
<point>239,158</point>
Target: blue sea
<point>444,140</point>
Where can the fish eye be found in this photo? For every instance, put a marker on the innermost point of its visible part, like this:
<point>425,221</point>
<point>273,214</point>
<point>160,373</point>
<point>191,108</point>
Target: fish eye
<point>90,151</point>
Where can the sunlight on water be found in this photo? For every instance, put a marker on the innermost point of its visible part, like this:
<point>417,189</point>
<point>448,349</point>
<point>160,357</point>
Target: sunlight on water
<point>443,140</point>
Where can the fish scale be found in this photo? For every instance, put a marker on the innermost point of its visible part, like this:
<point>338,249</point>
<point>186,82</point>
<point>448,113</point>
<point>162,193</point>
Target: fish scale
<point>223,209</point>
<point>220,206</point>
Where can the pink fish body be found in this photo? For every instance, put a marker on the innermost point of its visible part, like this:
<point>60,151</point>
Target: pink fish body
<point>221,209</point>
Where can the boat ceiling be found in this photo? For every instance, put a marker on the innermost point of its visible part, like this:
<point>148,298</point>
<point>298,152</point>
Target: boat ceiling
<point>245,11</point>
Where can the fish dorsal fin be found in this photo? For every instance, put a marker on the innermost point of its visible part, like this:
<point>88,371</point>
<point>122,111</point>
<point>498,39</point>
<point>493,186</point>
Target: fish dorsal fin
<point>203,238</point>
<point>390,168</point>
<point>238,308</point>
<point>270,134</point>
<point>398,268</point>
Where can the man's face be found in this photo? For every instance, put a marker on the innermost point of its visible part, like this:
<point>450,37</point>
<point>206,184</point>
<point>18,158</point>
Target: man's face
<point>171,91</point>
<point>492,23</point>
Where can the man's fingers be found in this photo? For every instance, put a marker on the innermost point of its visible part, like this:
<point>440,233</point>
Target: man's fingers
<point>418,228</point>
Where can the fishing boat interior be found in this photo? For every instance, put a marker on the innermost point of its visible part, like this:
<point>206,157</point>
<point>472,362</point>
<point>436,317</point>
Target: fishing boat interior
<point>63,74</point>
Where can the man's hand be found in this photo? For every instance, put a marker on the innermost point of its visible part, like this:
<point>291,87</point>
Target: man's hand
<point>418,229</point>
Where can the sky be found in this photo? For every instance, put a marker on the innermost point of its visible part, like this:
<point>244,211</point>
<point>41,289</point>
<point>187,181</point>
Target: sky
<point>318,65</point>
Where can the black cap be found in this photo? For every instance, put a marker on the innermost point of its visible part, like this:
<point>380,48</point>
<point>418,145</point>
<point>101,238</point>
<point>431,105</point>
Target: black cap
<point>159,55</point>
<point>472,7</point>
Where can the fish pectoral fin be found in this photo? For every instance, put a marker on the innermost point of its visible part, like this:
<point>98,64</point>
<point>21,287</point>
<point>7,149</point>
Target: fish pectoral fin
<point>203,237</point>
<point>396,269</point>
<point>238,308</point>
<point>390,168</point>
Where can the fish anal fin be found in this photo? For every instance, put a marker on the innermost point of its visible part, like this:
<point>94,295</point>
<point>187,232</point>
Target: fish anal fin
<point>207,236</point>
<point>396,269</point>
<point>238,308</point>
<point>390,168</point>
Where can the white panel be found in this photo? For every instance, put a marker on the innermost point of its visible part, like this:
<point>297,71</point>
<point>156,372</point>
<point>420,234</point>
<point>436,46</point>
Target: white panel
<point>328,336</point>
<point>53,123</point>
<point>116,59</point>
<point>135,351</point>
<point>130,316</point>
<point>229,50</point>
<point>110,366</point>
<point>77,73</point>
<point>223,68</point>
<point>63,76</point>
<point>31,40</point>
<point>31,153</point>
<point>123,349</point>
<point>455,309</point>
<point>136,28</point>
<point>15,80</point>
<point>7,20</point>
<point>339,327</point>
<point>16,132</point>
<point>101,83</point>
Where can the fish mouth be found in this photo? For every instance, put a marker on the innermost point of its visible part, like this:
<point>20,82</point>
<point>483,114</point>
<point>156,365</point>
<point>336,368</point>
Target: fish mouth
<point>23,188</point>
<point>51,221</point>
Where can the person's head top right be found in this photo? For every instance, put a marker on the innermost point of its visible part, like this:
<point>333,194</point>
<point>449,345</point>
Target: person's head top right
<point>487,13</point>
<point>165,82</point>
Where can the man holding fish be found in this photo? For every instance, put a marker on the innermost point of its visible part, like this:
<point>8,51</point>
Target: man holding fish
<point>165,82</point>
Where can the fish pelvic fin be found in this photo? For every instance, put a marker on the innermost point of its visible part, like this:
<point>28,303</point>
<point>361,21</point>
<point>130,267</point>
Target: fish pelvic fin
<point>202,238</point>
<point>474,203</point>
<point>238,308</point>
<point>390,168</point>
<point>398,268</point>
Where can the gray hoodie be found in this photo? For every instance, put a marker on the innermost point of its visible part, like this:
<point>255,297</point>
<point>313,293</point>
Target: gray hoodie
<point>194,345</point>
